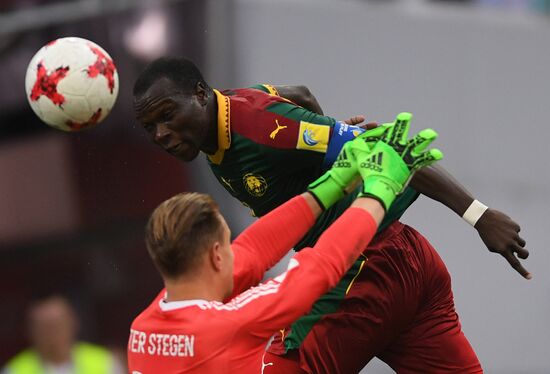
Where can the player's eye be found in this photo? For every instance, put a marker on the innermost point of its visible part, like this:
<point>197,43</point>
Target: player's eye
<point>149,127</point>
<point>167,115</point>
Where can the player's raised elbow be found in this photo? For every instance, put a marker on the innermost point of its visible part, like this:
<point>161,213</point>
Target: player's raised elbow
<point>302,96</point>
<point>308,100</point>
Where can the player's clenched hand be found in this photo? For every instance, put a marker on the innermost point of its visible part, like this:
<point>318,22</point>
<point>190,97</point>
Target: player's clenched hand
<point>501,235</point>
<point>388,165</point>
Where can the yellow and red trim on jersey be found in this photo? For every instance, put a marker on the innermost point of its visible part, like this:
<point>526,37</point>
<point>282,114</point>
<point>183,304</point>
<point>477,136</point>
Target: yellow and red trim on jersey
<point>224,130</point>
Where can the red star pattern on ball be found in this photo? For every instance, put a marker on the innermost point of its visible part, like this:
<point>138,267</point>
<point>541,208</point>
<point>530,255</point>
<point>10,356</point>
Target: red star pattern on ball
<point>104,66</point>
<point>75,126</point>
<point>46,84</point>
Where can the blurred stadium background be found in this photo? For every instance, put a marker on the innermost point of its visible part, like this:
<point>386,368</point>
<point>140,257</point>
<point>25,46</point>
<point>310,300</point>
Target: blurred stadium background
<point>73,206</point>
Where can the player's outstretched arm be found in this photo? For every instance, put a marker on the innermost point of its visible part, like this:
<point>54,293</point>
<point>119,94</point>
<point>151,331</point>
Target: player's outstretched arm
<point>266,241</point>
<point>497,231</point>
<point>315,270</point>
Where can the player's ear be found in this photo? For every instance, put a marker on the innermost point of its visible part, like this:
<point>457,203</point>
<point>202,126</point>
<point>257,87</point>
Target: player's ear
<point>215,256</point>
<point>201,93</point>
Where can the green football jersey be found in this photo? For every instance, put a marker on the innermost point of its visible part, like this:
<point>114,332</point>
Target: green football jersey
<point>270,149</point>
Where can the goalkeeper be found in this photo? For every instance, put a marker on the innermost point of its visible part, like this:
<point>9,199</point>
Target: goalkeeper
<point>189,329</point>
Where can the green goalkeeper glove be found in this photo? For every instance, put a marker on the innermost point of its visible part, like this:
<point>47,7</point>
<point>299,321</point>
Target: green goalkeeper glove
<point>332,185</point>
<point>388,166</point>
<point>372,136</point>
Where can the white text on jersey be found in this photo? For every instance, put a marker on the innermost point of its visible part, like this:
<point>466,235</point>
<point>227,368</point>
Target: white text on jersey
<point>161,344</point>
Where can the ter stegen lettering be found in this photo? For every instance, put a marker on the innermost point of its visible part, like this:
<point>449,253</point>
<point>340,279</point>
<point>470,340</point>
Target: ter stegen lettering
<point>162,344</point>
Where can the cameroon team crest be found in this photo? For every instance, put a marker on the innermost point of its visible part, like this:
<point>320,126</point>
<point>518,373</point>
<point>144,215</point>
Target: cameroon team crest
<point>255,184</point>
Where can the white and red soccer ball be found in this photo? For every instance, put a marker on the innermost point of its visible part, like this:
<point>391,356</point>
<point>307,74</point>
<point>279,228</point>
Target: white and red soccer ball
<point>71,84</point>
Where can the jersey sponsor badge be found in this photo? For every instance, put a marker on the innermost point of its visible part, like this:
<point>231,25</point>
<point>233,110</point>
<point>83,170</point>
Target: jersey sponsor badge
<point>313,137</point>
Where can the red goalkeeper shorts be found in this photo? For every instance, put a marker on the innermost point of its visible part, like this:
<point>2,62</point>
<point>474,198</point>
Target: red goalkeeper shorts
<point>398,308</point>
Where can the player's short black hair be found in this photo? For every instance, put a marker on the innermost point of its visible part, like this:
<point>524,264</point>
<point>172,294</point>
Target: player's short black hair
<point>183,72</point>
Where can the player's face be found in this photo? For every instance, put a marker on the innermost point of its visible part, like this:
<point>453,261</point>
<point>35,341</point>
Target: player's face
<point>176,122</point>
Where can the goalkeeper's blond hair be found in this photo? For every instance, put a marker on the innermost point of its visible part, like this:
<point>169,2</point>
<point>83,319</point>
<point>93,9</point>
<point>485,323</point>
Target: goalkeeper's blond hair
<point>179,230</point>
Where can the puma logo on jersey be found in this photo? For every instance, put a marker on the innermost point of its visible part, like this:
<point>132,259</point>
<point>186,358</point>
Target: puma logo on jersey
<point>374,162</point>
<point>276,131</point>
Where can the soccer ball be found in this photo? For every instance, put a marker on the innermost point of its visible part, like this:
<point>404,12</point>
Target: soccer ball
<point>71,84</point>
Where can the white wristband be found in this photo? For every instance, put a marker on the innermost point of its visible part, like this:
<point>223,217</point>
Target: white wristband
<point>474,212</point>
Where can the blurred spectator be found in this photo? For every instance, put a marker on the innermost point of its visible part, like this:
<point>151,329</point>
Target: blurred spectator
<point>52,328</point>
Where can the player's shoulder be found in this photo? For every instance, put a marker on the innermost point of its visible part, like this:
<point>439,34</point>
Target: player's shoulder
<point>253,116</point>
<point>267,88</point>
<point>250,107</point>
<point>253,96</point>
<point>262,87</point>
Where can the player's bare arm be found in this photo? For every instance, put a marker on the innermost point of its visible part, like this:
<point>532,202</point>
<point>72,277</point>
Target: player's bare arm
<point>498,231</point>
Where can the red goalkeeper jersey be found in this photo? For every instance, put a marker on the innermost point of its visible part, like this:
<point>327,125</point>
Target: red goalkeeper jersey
<point>201,336</point>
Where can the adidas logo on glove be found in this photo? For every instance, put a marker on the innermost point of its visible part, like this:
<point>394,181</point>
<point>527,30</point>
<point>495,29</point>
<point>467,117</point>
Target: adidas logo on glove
<point>373,163</point>
<point>342,160</point>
